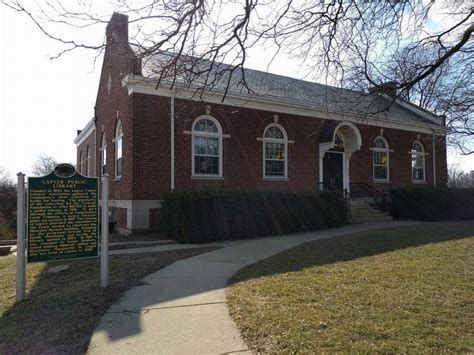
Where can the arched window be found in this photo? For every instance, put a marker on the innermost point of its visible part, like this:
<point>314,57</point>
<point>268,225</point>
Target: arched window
<point>79,164</point>
<point>88,160</point>
<point>275,148</point>
<point>207,147</point>
<point>103,156</point>
<point>417,162</point>
<point>118,149</point>
<point>381,159</point>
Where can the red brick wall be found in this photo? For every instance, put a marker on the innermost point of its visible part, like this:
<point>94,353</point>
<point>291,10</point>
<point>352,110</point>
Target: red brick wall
<point>82,149</point>
<point>361,168</point>
<point>151,155</point>
<point>242,152</point>
<point>111,105</point>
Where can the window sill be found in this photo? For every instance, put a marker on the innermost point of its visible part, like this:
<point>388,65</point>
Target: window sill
<point>206,177</point>
<point>275,179</point>
<point>381,181</point>
<point>419,182</point>
<point>118,179</point>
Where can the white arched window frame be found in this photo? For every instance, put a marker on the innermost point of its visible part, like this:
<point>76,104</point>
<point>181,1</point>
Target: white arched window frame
<point>418,162</point>
<point>206,151</point>
<point>118,150</point>
<point>80,163</point>
<point>103,155</point>
<point>275,152</point>
<point>381,160</point>
<point>88,161</point>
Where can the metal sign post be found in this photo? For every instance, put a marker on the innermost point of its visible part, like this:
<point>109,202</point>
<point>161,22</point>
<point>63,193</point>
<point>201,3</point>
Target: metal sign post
<point>20,239</point>
<point>104,245</point>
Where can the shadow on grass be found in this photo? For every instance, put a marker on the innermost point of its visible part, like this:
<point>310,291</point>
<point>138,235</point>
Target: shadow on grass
<point>354,246</point>
<point>61,310</point>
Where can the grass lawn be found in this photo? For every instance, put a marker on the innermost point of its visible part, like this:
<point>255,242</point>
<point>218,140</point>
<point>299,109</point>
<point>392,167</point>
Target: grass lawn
<point>409,289</point>
<point>61,310</point>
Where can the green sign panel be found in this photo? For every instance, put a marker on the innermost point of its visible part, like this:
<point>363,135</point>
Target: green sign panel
<point>62,215</point>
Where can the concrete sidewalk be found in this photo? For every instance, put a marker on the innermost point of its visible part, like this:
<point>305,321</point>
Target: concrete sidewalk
<point>181,309</point>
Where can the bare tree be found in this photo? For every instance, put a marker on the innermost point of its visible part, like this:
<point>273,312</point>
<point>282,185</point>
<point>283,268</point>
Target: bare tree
<point>459,178</point>
<point>7,206</point>
<point>347,43</point>
<point>43,165</point>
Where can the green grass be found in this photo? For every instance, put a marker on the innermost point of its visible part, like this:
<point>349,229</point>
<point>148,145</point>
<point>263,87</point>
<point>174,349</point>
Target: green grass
<point>61,310</point>
<point>405,290</point>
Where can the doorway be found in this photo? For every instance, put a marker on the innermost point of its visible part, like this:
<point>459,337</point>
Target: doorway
<point>333,171</point>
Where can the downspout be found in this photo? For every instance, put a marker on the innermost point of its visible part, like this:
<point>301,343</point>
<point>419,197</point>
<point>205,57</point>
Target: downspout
<point>434,162</point>
<point>172,141</point>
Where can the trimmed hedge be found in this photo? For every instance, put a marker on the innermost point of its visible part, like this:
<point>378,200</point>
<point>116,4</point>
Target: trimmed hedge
<point>430,204</point>
<point>212,215</point>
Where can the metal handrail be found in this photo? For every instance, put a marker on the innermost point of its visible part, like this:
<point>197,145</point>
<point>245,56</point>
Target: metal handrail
<point>376,197</point>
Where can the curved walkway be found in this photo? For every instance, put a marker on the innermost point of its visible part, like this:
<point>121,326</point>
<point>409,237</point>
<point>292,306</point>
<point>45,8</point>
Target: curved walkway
<point>181,309</point>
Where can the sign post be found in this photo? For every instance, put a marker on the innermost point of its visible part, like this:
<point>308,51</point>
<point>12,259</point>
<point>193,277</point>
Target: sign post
<point>20,240</point>
<point>104,244</point>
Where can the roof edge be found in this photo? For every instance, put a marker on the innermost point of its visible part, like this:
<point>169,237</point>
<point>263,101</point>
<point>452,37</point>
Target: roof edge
<point>139,84</point>
<point>86,131</point>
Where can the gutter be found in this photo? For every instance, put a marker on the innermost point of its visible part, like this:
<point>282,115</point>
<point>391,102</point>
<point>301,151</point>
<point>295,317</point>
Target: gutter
<point>172,119</point>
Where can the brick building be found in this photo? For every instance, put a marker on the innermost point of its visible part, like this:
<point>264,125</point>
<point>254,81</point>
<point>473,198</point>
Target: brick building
<point>289,134</point>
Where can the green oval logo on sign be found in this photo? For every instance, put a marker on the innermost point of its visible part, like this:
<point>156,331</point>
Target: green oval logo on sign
<point>64,170</point>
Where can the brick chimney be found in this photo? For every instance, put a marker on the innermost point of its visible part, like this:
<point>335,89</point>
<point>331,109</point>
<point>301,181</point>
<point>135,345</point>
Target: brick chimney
<point>118,26</point>
<point>389,88</point>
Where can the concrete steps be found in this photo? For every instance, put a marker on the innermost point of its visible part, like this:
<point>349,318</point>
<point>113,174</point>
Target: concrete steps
<point>363,212</point>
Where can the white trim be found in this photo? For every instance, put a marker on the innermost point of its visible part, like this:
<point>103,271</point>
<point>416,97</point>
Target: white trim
<point>137,84</point>
<point>117,136</point>
<point>88,161</point>
<point>219,137</point>
<point>385,150</point>
<point>103,147</point>
<point>283,141</point>
<point>422,154</point>
<point>86,131</point>
<point>138,211</point>
<point>428,115</point>
<point>346,155</point>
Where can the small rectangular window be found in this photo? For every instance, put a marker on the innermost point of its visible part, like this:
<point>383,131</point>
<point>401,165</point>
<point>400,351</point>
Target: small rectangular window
<point>274,159</point>
<point>206,156</point>
<point>380,165</point>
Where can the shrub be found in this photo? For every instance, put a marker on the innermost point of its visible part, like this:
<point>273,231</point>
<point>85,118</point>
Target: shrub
<point>430,204</point>
<point>212,215</point>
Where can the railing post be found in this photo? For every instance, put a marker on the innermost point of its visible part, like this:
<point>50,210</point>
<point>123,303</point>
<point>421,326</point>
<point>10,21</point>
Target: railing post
<point>384,200</point>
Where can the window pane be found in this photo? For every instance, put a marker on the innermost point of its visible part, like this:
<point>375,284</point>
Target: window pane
<point>274,168</point>
<point>380,158</point>
<point>205,125</point>
<point>380,172</point>
<point>418,174</point>
<point>206,146</point>
<point>274,132</point>
<point>379,143</point>
<point>274,150</point>
<point>206,165</point>
<point>119,167</point>
<point>417,147</point>
<point>119,147</point>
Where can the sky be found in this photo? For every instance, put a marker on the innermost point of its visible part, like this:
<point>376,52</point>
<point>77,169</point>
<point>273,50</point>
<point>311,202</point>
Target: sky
<point>43,102</point>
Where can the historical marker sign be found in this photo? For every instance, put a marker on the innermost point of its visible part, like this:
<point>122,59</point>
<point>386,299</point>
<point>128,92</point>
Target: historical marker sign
<point>62,215</point>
